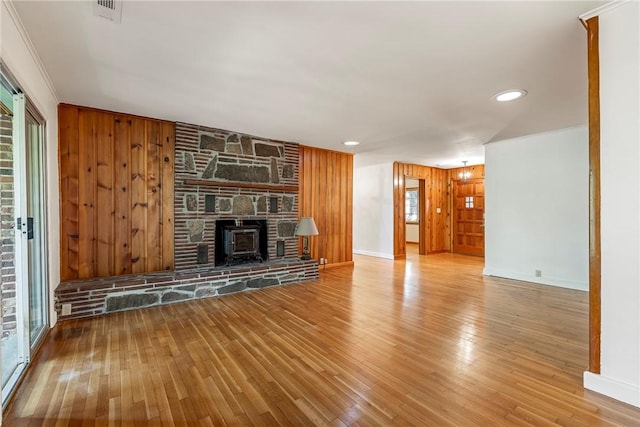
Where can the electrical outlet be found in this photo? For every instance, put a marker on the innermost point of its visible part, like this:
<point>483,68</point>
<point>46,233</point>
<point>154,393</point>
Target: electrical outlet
<point>538,273</point>
<point>323,261</point>
<point>66,309</point>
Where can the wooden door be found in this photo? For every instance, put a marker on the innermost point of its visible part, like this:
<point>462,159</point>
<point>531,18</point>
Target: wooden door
<point>468,218</point>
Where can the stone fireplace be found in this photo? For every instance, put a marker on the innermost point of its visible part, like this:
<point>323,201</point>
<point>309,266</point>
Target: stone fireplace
<point>226,176</point>
<point>225,184</point>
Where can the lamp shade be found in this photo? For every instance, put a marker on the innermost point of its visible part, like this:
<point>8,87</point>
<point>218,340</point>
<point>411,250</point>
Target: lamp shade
<point>306,227</point>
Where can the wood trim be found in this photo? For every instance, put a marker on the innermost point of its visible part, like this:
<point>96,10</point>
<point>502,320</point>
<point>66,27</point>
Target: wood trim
<point>336,265</point>
<point>207,183</point>
<point>437,252</point>
<point>593,63</point>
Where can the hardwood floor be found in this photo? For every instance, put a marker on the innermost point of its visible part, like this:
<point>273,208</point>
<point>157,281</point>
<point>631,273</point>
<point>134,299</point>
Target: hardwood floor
<point>422,341</point>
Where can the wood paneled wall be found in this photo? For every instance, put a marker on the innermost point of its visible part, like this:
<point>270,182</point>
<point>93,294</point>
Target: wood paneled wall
<point>434,226</point>
<point>116,193</point>
<point>476,171</point>
<point>326,194</point>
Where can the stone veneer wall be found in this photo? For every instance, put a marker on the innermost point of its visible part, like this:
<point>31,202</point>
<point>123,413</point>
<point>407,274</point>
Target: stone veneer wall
<point>7,224</point>
<point>216,155</point>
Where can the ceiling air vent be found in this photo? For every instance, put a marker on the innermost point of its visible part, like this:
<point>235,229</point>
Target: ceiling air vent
<point>108,9</point>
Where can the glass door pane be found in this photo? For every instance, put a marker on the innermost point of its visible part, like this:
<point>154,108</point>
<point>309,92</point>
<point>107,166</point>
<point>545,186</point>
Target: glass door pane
<point>12,341</point>
<point>36,248</point>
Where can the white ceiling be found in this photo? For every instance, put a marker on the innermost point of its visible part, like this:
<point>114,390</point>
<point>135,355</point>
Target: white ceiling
<point>412,81</point>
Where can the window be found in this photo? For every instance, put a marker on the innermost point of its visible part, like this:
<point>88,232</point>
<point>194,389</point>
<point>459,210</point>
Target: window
<point>468,202</point>
<point>411,205</point>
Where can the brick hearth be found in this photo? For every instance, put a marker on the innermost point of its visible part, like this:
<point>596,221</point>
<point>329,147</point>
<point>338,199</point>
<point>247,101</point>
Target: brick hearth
<point>109,294</point>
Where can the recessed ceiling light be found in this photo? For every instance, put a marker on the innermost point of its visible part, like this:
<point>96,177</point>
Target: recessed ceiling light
<point>509,95</point>
<point>351,143</point>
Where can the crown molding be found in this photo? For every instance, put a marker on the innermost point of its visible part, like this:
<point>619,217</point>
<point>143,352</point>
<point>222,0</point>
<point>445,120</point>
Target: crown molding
<point>13,13</point>
<point>602,9</point>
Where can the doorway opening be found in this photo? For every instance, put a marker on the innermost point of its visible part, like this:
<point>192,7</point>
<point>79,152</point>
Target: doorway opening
<point>412,214</point>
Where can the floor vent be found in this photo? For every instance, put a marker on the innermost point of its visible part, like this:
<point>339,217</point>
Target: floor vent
<point>108,9</point>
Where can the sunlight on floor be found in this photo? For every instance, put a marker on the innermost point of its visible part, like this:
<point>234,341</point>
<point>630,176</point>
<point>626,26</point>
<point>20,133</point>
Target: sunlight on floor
<point>9,350</point>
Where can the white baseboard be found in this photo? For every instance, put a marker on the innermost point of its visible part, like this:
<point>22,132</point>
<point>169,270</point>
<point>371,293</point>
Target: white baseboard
<point>551,281</point>
<point>618,390</point>
<point>375,254</point>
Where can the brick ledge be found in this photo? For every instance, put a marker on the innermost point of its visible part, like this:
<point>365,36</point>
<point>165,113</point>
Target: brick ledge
<point>92,297</point>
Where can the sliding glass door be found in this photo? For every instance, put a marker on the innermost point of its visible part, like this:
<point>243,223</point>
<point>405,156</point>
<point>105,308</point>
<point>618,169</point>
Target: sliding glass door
<point>23,280</point>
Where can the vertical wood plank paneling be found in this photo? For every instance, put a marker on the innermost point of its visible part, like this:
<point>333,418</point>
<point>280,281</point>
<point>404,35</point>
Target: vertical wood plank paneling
<point>122,232</point>
<point>154,202</point>
<point>168,154</point>
<point>439,230</point>
<point>319,172</point>
<point>105,250</point>
<point>87,123</point>
<point>319,217</point>
<point>325,193</point>
<point>68,149</point>
<point>595,266</point>
<point>341,206</point>
<point>116,190</point>
<point>333,204</point>
<point>138,196</point>
<point>428,208</point>
<point>398,212</point>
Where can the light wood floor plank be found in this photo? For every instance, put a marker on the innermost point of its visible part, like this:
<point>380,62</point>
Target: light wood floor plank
<point>422,341</point>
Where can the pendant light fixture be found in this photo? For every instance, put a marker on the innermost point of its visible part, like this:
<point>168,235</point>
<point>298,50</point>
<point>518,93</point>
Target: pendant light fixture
<point>465,174</point>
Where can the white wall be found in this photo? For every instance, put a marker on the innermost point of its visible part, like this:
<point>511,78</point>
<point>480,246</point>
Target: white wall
<point>620,205</point>
<point>412,233</point>
<point>372,208</point>
<point>19,57</point>
<point>537,208</point>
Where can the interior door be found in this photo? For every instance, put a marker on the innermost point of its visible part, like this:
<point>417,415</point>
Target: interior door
<point>468,218</point>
